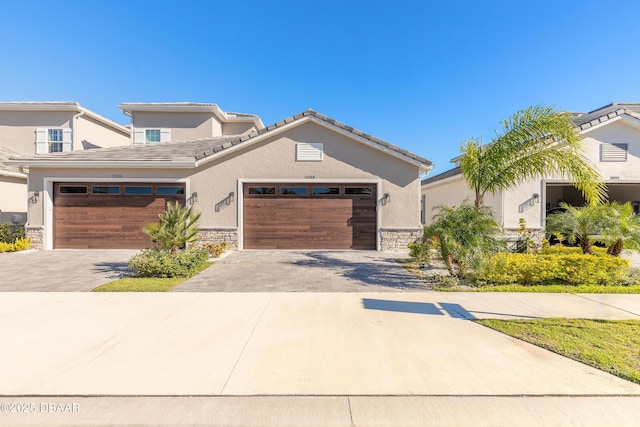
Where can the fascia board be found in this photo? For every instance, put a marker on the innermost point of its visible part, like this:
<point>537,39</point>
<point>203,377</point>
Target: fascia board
<point>446,180</point>
<point>40,106</point>
<point>13,174</point>
<point>75,164</point>
<point>372,144</point>
<point>117,126</point>
<point>313,119</point>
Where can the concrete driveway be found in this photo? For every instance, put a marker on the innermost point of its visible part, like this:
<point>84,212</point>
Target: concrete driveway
<point>61,270</point>
<point>306,271</point>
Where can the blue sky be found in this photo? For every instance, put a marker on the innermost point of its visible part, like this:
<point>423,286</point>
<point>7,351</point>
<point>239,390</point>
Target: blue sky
<point>424,75</point>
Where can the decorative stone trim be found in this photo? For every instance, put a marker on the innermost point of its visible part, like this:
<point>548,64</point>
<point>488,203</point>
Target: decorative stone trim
<point>36,232</point>
<point>398,238</point>
<point>219,235</point>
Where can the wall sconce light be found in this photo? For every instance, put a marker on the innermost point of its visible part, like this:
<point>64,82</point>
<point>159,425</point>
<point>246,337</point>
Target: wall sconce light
<point>386,198</point>
<point>35,196</point>
<point>536,197</point>
<point>194,197</point>
<point>230,197</point>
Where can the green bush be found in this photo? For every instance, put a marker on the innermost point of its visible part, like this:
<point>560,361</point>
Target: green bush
<point>552,268</point>
<point>566,250</point>
<point>421,251</point>
<point>160,263</point>
<point>9,233</point>
<point>20,244</point>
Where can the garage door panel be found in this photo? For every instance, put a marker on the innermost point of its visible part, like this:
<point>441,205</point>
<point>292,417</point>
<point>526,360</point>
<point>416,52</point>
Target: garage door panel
<point>92,221</point>
<point>277,221</point>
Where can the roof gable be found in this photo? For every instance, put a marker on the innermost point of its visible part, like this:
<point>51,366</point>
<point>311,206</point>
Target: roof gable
<point>195,153</point>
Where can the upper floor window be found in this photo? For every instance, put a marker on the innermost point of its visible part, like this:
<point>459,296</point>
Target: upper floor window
<point>613,152</point>
<point>151,135</point>
<point>53,140</point>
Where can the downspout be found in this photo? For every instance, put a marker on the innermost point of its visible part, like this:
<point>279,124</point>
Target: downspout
<point>74,128</point>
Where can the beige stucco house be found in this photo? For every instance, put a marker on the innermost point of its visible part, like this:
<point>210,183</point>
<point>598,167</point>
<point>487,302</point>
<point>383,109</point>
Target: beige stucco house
<point>306,182</point>
<point>28,128</point>
<point>611,139</point>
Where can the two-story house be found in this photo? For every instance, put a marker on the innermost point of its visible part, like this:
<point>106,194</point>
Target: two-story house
<point>611,141</point>
<point>305,182</point>
<point>28,128</point>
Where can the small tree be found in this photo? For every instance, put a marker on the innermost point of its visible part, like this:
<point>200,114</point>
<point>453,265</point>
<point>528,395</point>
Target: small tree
<point>584,225</point>
<point>178,226</point>
<point>465,237</point>
<point>534,142</point>
<point>621,227</point>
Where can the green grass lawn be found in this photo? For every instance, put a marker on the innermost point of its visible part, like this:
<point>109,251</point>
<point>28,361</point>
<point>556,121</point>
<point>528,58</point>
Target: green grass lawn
<point>140,284</point>
<point>578,289</point>
<point>610,345</point>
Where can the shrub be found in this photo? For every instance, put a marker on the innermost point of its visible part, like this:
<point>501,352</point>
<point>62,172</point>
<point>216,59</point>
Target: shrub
<point>9,233</point>
<point>422,251</point>
<point>160,263</point>
<point>20,244</point>
<point>545,269</point>
<point>217,249</point>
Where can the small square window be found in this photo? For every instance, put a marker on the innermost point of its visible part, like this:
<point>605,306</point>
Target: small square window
<point>132,191</point>
<point>169,191</point>
<point>105,189</point>
<point>262,190</point>
<point>322,191</point>
<point>358,190</point>
<point>294,191</point>
<point>152,135</point>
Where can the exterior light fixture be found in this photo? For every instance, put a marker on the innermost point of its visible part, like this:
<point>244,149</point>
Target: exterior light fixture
<point>536,197</point>
<point>34,197</point>
<point>230,197</point>
<point>386,199</point>
<point>194,197</point>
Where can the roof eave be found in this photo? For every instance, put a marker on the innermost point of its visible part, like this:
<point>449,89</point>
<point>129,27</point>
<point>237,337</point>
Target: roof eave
<point>127,164</point>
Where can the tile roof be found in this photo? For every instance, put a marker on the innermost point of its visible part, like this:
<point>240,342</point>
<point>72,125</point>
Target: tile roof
<point>203,148</point>
<point>451,172</point>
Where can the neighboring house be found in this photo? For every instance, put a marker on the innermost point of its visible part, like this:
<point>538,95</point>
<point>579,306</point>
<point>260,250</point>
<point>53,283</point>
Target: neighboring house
<point>611,138</point>
<point>306,182</point>
<point>28,128</point>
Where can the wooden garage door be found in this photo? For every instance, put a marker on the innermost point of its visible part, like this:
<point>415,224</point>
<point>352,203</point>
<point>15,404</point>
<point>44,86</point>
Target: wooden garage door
<point>108,215</point>
<point>305,216</point>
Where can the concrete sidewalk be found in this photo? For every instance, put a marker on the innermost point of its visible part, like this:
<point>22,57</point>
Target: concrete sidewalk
<point>380,358</point>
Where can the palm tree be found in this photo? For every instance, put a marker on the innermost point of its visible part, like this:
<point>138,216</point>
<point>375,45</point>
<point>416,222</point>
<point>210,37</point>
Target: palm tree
<point>622,227</point>
<point>534,142</point>
<point>584,225</point>
<point>178,226</point>
<point>465,236</point>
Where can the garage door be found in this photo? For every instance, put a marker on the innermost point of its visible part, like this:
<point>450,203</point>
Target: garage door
<point>108,215</point>
<point>304,216</point>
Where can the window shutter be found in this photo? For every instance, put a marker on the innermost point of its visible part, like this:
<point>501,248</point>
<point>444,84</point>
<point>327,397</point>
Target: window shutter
<point>613,152</point>
<point>41,141</point>
<point>165,135</point>
<point>66,140</point>
<point>309,152</point>
<point>138,136</point>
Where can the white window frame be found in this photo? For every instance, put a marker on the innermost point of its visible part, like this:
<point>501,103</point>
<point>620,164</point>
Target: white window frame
<point>53,140</point>
<point>140,135</point>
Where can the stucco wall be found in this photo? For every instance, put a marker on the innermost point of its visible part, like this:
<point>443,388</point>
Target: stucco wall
<point>92,134</point>
<point>18,128</point>
<point>454,191</point>
<point>237,128</point>
<point>275,159</point>
<point>184,126</point>
<point>13,197</point>
<point>615,133</point>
